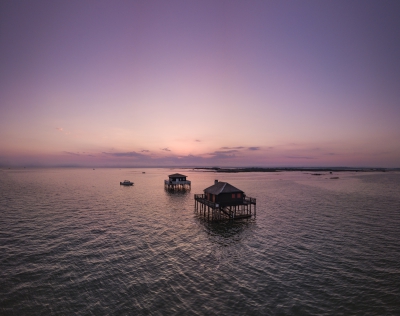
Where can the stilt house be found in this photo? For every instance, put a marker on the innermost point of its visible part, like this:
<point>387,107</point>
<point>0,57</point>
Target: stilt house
<point>224,201</point>
<point>177,181</point>
<point>223,193</point>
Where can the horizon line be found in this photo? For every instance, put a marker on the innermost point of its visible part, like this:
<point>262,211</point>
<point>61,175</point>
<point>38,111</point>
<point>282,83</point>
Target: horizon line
<point>199,167</point>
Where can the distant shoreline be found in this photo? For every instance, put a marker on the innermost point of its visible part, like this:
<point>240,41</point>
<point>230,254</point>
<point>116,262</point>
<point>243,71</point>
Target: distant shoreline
<point>250,169</point>
<point>218,169</point>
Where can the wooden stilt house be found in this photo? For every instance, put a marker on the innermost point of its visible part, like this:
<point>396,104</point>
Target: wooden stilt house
<point>224,201</point>
<point>177,181</point>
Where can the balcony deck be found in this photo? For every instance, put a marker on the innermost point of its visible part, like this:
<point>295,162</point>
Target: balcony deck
<point>234,210</point>
<point>177,185</point>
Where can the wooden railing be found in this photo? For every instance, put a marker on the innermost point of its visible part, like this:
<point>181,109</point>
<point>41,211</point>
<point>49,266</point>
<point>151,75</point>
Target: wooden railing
<point>250,200</point>
<point>202,198</point>
<point>176,182</point>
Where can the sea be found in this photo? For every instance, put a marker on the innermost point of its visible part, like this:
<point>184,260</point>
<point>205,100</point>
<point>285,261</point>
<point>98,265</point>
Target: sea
<point>73,241</point>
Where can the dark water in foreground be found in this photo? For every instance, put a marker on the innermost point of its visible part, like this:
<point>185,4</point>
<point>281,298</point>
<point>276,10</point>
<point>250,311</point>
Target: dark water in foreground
<point>75,242</point>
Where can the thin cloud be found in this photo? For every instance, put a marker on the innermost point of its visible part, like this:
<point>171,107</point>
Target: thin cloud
<point>166,149</point>
<point>224,154</point>
<point>126,154</point>
<point>300,157</point>
<point>145,151</point>
<point>71,153</point>
<point>197,140</point>
<point>61,130</point>
<point>225,151</point>
<point>239,147</point>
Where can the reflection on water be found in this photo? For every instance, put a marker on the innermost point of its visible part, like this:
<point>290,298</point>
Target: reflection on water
<point>73,241</point>
<point>177,192</point>
<point>225,228</point>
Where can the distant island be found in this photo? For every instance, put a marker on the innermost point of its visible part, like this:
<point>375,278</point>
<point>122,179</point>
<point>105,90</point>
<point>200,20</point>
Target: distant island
<point>258,169</point>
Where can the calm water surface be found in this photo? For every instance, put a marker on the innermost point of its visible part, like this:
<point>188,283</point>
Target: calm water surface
<point>75,242</point>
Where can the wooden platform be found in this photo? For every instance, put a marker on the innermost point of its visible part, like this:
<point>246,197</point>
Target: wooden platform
<point>177,185</point>
<point>216,212</point>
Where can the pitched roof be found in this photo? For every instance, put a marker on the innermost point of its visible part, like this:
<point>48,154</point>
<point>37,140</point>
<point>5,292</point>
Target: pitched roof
<point>222,187</point>
<point>177,175</point>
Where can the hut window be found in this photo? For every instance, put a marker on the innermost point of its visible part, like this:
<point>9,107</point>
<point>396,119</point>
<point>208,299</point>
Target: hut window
<point>233,195</point>
<point>238,196</point>
<point>213,198</point>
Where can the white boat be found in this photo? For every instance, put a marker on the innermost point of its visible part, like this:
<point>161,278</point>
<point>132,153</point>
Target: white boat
<point>126,182</point>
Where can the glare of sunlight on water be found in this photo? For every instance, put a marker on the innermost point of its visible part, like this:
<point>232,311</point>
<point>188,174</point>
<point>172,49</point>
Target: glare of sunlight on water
<point>74,241</point>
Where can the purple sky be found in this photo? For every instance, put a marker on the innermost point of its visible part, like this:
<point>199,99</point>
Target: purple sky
<point>200,83</point>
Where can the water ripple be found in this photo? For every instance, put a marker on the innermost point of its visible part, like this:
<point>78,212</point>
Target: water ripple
<point>73,241</point>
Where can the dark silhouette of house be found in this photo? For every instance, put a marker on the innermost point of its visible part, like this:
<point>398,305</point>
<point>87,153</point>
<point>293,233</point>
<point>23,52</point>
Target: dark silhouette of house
<point>224,193</point>
<point>222,200</point>
<point>177,181</point>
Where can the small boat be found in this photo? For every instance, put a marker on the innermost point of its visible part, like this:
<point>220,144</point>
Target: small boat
<point>126,182</point>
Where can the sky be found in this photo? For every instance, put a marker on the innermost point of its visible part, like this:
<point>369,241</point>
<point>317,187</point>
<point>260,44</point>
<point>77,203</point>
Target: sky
<point>200,83</point>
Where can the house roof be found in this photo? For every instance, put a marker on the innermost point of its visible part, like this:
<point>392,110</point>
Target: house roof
<point>177,175</point>
<point>222,187</point>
